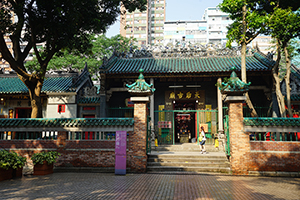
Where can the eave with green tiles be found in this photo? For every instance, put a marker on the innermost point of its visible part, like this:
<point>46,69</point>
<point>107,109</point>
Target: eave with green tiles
<point>70,82</point>
<point>186,65</point>
<point>271,124</point>
<point>13,85</point>
<point>88,100</point>
<point>67,124</point>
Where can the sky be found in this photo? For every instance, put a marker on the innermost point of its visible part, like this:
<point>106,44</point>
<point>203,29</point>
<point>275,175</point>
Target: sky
<point>177,10</point>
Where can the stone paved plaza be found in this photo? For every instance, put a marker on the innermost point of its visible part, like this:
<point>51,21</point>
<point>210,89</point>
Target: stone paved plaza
<point>149,186</point>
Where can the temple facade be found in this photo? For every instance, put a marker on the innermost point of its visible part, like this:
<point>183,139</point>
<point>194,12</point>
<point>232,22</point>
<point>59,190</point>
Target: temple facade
<point>185,79</point>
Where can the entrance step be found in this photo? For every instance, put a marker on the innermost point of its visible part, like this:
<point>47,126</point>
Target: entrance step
<point>187,157</point>
<point>186,147</point>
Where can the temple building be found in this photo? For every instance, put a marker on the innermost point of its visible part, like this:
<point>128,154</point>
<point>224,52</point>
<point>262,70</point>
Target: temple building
<point>185,79</point>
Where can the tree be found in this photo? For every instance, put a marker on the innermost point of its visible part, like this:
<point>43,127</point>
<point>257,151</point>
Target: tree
<point>249,20</point>
<point>101,48</point>
<point>285,25</point>
<point>58,24</point>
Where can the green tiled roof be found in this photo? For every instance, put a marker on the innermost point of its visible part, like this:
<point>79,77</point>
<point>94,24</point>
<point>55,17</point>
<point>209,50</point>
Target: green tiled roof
<point>270,121</point>
<point>115,65</point>
<point>81,78</point>
<point>88,100</point>
<point>295,97</point>
<point>9,85</point>
<point>64,122</point>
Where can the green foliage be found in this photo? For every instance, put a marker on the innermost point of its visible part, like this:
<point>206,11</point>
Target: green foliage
<point>285,24</point>
<point>225,80</point>
<point>245,26</point>
<point>49,157</point>
<point>101,47</point>
<point>57,25</point>
<point>11,160</point>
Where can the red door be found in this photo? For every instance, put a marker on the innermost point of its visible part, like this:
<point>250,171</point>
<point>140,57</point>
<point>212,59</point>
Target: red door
<point>88,135</point>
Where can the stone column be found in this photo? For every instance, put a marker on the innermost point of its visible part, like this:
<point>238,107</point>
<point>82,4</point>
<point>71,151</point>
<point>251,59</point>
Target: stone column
<point>221,136</point>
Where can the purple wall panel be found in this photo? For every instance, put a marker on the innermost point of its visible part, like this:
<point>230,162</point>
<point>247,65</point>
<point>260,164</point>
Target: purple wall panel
<point>120,152</point>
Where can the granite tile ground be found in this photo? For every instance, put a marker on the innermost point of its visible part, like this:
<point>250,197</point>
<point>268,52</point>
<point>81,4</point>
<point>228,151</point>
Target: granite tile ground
<point>175,186</point>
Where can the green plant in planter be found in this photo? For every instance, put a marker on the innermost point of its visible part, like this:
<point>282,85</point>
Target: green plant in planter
<point>50,157</point>
<point>11,160</point>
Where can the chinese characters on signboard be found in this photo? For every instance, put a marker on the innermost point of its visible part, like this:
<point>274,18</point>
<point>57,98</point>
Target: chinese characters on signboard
<point>185,95</point>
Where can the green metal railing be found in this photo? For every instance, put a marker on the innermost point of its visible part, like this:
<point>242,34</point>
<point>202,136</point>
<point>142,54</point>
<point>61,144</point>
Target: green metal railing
<point>148,139</point>
<point>166,135</point>
<point>275,136</point>
<point>226,132</point>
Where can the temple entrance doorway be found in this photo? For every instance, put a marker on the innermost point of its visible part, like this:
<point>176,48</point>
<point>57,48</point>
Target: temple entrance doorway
<point>184,114</point>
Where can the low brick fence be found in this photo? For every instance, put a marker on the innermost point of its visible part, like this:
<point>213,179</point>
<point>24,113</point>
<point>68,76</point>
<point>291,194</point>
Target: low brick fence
<point>88,154</point>
<point>273,156</point>
<point>76,155</point>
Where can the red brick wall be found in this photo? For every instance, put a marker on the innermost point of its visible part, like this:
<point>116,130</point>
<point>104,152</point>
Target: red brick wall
<point>239,140</point>
<point>274,156</point>
<point>77,153</point>
<point>137,140</point>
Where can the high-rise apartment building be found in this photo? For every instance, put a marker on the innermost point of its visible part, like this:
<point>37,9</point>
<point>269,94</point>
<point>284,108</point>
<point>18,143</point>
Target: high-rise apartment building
<point>190,31</point>
<point>217,22</point>
<point>146,27</point>
<point>211,29</point>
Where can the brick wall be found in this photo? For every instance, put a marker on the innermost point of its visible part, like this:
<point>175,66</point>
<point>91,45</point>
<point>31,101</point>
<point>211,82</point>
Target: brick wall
<point>78,153</point>
<point>239,140</point>
<point>274,156</point>
<point>137,140</point>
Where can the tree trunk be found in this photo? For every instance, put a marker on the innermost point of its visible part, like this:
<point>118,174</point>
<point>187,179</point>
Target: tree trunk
<point>244,47</point>
<point>287,80</point>
<point>276,82</point>
<point>243,62</point>
<point>34,86</point>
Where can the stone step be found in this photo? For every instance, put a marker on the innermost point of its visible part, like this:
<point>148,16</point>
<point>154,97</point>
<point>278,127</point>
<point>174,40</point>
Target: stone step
<point>188,169</point>
<point>196,156</point>
<point>189,164</point>
<point>189,147</point>
<point>189,161</point>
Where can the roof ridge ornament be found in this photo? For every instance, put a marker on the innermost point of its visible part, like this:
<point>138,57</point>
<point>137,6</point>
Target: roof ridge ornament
<point>234,85</point>
<point>140,87</point>
<point>184,51</point>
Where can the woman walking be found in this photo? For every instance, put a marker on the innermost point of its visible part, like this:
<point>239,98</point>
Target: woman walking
<point>202,140</point>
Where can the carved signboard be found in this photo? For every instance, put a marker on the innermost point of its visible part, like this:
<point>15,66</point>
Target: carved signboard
<point>185,95</point>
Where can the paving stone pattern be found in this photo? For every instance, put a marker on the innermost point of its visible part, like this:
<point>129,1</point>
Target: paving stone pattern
<point>173,185</point>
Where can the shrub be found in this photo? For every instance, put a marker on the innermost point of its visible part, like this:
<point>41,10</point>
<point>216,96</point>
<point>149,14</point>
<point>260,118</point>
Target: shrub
<point>49,157</point>
<point>11,160</point>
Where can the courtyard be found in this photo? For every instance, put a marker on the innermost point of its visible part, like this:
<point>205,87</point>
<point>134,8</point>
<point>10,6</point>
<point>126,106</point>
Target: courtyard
<point>177,185</point>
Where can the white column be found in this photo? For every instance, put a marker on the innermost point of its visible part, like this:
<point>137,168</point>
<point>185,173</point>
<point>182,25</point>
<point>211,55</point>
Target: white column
<point>220,108</point>
<point>152,110</point>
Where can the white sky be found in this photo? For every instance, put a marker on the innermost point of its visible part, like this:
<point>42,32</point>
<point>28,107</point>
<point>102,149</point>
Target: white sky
<point>177,10</point>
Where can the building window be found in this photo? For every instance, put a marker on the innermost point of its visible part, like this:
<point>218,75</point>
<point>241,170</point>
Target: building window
<point>61,108</point>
